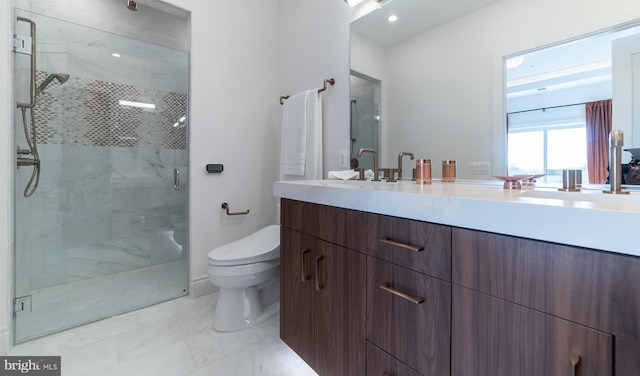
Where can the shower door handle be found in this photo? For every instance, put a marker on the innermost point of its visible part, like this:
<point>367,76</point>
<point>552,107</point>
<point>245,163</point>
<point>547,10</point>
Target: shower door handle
<point>176,179</point>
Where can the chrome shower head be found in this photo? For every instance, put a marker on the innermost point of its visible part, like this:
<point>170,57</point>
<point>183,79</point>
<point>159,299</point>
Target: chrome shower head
<point>61,77</point>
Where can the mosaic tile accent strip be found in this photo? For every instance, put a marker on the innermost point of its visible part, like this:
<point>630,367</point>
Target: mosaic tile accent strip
<point>87,112</point>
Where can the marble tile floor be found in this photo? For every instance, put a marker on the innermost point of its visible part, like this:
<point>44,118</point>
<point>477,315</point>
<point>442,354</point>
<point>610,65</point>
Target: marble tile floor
<point>169,339</point>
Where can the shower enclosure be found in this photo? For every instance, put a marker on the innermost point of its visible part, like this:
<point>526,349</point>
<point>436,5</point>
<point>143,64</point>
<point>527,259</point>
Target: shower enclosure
<point>101,196</point>
<point>365,118</point>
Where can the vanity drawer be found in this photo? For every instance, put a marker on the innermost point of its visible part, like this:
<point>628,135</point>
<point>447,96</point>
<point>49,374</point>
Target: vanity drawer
<point>345,227</point>
<point>598,289</point>
<point>300,216</point>
<point>495,337</point>
<point>420,246</point>
<point>380,363</point>
<point>409,316</point>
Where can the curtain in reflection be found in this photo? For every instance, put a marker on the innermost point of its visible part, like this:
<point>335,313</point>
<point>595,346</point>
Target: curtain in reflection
<point>598,124</point>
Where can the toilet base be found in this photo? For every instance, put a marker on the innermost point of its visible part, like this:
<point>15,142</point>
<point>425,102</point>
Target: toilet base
<point>244,307</point>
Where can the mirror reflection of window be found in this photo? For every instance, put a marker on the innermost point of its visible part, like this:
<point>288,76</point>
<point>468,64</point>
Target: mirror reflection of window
<point>546,141</point>
<point>546,94</point>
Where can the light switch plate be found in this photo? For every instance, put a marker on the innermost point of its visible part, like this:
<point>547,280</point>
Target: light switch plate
<point>343,158</point>
<point>480,167</point>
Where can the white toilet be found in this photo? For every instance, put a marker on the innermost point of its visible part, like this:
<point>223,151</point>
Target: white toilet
<point>248,274</point>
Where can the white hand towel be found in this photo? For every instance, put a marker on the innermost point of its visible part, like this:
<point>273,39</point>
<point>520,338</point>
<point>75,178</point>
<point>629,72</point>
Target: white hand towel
<point>343,175</point>
<point>313,169</point>
<point>294,135</point>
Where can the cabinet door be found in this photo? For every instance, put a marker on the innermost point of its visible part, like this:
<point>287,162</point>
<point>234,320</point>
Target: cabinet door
<point>380,363</point>
<point>493,337</point>
<point>296,293</point>
<point>408,316</point>
<point>627,358</point>
<point>596,289</point>
<point>340,313</point>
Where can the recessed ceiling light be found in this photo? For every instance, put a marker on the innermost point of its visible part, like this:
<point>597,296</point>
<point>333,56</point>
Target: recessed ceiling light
<point>515,62</point>
<point>115,54</point>
<point>392,18</point>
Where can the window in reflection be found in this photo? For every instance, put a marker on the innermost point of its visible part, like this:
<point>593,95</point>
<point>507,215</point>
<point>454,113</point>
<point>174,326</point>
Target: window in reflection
<point>547,150</point>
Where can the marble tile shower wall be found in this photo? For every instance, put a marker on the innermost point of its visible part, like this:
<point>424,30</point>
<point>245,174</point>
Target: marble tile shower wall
<point>106,201</point>
<point>87,112</point>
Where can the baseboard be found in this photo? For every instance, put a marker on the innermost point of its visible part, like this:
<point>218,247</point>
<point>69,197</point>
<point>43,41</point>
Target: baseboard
<point>201,286</point>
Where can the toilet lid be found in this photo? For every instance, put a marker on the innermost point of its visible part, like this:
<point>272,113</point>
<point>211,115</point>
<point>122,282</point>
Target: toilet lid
<point>262,245</point>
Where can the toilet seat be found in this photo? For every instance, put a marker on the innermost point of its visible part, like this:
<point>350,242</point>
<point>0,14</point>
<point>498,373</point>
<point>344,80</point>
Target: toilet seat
<point>262,245</point>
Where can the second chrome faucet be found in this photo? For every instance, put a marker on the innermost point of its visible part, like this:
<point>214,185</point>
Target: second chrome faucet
<point>402,154</point>
<point>375,161</point>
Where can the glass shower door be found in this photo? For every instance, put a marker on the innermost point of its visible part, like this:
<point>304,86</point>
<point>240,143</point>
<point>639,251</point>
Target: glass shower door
<point>105,228</point>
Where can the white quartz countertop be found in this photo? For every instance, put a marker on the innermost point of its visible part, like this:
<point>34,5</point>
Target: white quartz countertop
<point>588,218</point>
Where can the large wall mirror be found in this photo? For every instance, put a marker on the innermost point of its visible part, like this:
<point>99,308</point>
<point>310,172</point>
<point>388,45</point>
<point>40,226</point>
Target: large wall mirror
<point>540,93</point>
<point>561,101</point>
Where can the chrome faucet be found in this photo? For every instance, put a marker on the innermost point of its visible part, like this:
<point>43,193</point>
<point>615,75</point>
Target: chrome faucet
<point>616,141</point>
<point>375,161</point>
<point>402,154</point>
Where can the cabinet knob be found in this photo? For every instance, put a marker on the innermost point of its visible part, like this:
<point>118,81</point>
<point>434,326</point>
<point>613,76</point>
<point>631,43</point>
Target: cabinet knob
<point>412,247</point>
<point>575,360</point>
<point>305,276</point>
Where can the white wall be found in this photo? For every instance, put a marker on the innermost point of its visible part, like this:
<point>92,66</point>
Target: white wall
<point>313,44</point>
<point>234,99</point>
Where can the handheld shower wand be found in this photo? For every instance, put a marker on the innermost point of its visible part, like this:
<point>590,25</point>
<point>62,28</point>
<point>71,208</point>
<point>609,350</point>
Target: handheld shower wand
<point>31,136</point>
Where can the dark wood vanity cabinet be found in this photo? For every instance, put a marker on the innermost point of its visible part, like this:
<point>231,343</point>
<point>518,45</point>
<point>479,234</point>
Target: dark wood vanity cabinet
<point>525,307</point>
<point>322,316</point>
<point>346,250</point>
<point>369,294</point>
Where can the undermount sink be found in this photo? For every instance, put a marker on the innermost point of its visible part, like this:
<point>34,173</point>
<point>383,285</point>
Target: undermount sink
<point>590,195</point>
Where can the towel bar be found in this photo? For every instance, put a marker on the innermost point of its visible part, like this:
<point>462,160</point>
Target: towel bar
<point>331,81</point>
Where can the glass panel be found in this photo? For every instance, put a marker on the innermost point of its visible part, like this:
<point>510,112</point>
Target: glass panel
<point>526,153</point>
<point>105,231</point>
<point>364,131</point>
<point>567,149</point>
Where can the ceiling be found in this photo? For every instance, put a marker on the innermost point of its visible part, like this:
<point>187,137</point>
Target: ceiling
<point>414,17</point>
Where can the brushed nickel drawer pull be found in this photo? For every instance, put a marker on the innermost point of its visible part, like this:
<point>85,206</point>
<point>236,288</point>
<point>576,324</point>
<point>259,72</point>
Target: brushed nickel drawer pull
<point>305,276</point>
<point>412,247</point>
<point>413,299</point>
<point>575,360</point>
<point>319,285</point>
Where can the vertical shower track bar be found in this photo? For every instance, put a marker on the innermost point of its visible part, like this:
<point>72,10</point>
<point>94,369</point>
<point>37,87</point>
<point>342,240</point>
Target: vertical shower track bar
<point>30,136</point>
